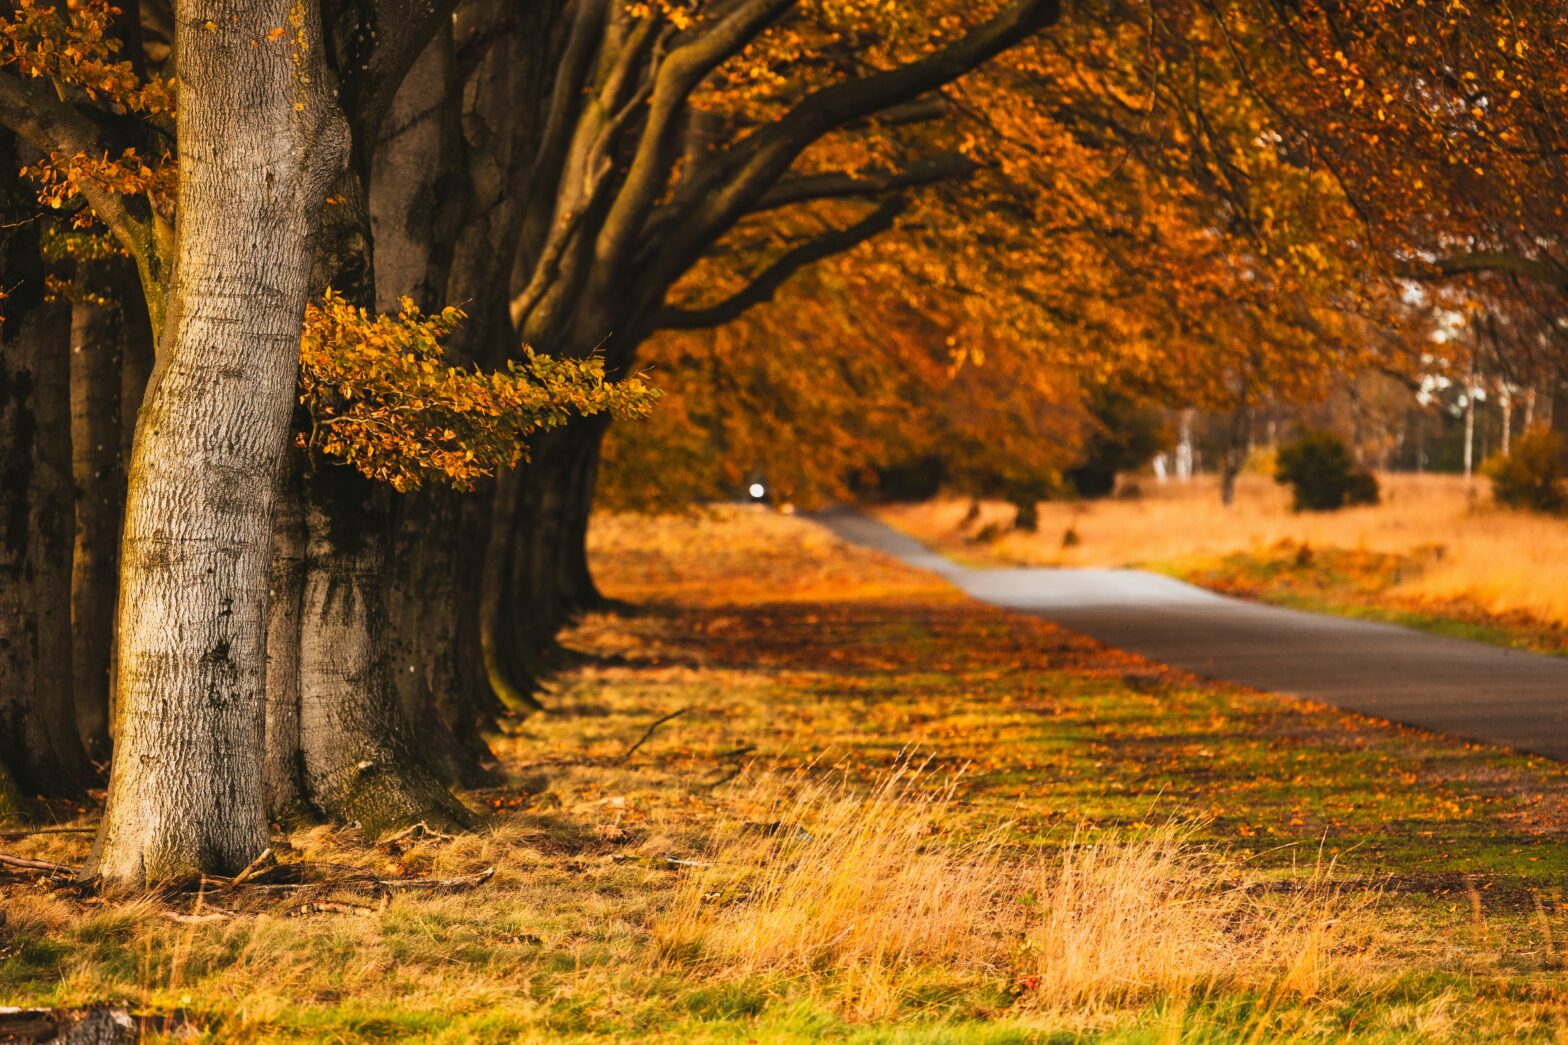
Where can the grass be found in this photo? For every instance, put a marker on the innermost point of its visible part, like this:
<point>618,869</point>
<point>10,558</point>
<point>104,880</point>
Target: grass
<point>886,815</point>
<point>1435,554</point>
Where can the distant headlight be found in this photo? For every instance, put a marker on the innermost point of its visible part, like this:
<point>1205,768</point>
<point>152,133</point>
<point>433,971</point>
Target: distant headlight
<point>757,491</point>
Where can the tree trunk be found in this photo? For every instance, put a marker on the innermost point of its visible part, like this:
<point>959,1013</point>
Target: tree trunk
<point>13,804</point>
<point>1469,447</point>
<point>286,594</point>
<point>579,592</point>
<point>502,598</point>
<point>136,362</point>
<point>38,735</point>
<point>259,145</point>
<point>536,609</point>
<point>96,326</point>
<point>1236,448</point>
<point>359,758</point>
<point>432,606</point>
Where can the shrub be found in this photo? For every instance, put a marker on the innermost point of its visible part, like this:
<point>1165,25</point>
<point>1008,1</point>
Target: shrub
<point>1532,475</point>
<point>1025,496</point>
<point>1126,433</point>
<point>1322,474</point>
<point>911,479</point>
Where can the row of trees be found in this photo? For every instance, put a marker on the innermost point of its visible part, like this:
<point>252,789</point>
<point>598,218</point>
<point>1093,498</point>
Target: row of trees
<point>305,252</point>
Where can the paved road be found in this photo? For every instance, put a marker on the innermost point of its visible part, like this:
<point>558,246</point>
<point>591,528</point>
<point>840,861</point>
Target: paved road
<point>1449,685</point>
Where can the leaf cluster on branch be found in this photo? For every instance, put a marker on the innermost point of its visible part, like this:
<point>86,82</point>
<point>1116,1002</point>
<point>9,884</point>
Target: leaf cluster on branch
<point>380,397</point>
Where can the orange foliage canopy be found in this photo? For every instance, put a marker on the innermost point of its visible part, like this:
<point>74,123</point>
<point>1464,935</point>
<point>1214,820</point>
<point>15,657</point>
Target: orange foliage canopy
<point>1119,205</point>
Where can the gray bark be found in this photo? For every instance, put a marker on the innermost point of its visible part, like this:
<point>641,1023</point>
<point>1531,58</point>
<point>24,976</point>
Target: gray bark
<point>359,759</point>
<point>260,142</point>
<point>136,362</point>
<point>286,595</point>
<point>415,204</point>
<point>38,735</point>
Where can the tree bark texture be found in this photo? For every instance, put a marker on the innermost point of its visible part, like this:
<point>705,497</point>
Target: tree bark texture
<point>579,592</point>
<point>260,142</point>
<point>38,735</point>
<point>360,761</point>
<point>286,594</point>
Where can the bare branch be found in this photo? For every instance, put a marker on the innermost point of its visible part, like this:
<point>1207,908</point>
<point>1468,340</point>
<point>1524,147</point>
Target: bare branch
<point>762,289</point>
<point>1487,261</point>
<point>715,200</point>
<point>685,67</point>
<point>837,185</point>
<point>36,113</point>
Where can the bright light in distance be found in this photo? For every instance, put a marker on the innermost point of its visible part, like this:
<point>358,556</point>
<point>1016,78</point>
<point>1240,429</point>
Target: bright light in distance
<point>757,490</point>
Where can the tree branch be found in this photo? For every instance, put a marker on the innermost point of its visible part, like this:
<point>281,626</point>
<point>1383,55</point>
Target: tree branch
<point>1485,261</point>
<point>762,289</point>
<point>837,185</point>
<point>714,201</point>
<point>35,113</point>
<point>685,67</point>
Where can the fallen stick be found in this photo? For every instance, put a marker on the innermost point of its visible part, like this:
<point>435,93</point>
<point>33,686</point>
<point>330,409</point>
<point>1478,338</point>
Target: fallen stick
<point>31,831</point>
<point>36,865</point>
<point>649,733</point>
<point>197,919</point>
<point>467,881</point>
<point>329,907</point>
<point>420,829</point>
<point>267,857</point>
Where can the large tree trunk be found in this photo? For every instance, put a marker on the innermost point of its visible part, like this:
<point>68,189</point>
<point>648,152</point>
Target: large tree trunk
<point>360,761</point>
<point>38,734</point>
<point>136,362</point>
<point>431,606</point>
<point>579,592</point>
<point>419,200</point>
<point>96,325</point>
<point>282,770</point>
<point>546,580</point>
<point>441,254</point>
<point>259,145</point>
<point>1237,445</point>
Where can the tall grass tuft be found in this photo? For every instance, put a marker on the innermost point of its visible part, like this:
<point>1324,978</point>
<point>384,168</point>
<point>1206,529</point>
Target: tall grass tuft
<point>876,902</point>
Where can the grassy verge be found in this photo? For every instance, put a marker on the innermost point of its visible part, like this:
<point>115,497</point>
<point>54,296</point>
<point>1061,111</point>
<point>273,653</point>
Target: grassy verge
<point>1362,584</point>
<point>1435,555</point>
<point>884,814</point>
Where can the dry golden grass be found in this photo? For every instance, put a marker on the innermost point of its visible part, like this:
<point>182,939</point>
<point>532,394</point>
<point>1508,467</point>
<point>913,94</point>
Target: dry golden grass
<point>1503,562</point>
<point>869,892</point>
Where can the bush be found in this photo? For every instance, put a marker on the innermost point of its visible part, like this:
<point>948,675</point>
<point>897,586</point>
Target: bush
<point>912,479</point>
<point>1025,496</point>
<point>1532,475</point>
<point>1126,433</point>
<point>1322,474</point>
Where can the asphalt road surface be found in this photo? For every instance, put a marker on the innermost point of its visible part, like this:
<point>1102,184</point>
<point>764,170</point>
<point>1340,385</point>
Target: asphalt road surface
<point>1449,685</point>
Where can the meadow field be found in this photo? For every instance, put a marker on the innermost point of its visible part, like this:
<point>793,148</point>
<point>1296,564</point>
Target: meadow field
<point>1434,553</point>
<point>800,793</point>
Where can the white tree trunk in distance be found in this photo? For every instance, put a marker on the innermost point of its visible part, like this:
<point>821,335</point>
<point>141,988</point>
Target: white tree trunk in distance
<point>1506,404</point>
<point>259,141</point>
